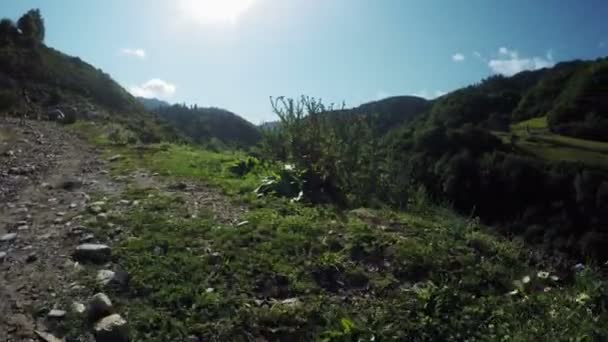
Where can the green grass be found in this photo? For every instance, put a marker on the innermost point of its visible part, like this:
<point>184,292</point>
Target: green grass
<point>533,137</point>
<point>301,273</point>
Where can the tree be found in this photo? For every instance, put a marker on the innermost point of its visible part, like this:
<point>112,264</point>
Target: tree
<point>8,31</point>
<point>31,26</point>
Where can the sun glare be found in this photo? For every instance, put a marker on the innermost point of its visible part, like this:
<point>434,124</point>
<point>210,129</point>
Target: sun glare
<point>214,11</point>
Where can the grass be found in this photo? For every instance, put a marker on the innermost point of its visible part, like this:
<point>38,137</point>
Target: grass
<point>311,273</point>
<point>533,137</point>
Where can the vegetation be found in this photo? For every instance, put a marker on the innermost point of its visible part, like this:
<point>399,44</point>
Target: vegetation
<point>210,126</point>
<point>290,271</point>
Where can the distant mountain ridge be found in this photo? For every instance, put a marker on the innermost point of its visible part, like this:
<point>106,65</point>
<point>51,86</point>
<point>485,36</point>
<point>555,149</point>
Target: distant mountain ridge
<point>210,125</point>
<point>152,103</point>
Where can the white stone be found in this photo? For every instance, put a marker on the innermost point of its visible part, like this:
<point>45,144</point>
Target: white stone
<point>8,237</point>
<point>112,328</point>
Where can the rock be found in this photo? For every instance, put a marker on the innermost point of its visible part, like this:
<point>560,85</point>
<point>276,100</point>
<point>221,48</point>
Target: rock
<point>102,217</point>
<point>97,253</point>
<point>125,202</point>
<point>73,205</point>
<point>58,220</point>
<point>99,306</point>
<point>104,277</point>
<point>193,338</point>
<point>87,238</point>
<point>243,223</point>
<point>8,237</point>
<point>115,157</point>
<point>23,227</point>
<point>56,313</point>
<point>78,308</point>
<point>48,337</point>
<point>95,209</point>
<point>98,203</point>
<point>2,256</point>
<point>60,213</point>
<point>112,328</point>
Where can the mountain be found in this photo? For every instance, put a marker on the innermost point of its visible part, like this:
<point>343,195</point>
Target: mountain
<point>385,114</point>
<point>527,153</point>
<point>206,125</point>
<point>152,103</point>
<point>53,79</point>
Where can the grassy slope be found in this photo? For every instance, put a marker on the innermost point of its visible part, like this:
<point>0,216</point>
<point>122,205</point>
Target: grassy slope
<point>535,138</point>
<point>300,273</point>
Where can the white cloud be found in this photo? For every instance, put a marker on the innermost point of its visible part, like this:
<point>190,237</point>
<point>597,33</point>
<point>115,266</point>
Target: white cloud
<point>458,57</point>
<point>509,63</point>
<point>138,53</point>
<point>155,87</point>
<point>429,95</point>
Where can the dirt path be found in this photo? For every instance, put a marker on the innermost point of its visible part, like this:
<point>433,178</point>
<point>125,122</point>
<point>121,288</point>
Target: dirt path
<point>47,179</point>
<point>46,176</point>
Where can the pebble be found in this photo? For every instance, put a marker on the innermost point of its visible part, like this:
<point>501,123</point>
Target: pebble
<point>22,228</point>
<point>87,238</point>
<point>99,306</point>
<point>55,313</point>
<point>78,308</point>
<point>8,237</point>
<point>112,328</point>
<point>2,256</point>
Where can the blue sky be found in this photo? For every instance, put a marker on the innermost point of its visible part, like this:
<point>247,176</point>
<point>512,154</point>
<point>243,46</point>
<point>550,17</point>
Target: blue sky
<point>236,53</point>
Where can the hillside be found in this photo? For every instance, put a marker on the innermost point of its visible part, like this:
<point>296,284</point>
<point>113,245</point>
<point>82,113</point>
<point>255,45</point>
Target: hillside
<point>213,126</point>
<point>53,79</point>
<point>190,252</point>
<point>152,104</point>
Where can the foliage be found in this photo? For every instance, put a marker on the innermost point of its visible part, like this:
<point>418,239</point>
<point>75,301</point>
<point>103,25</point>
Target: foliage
<point>31,26</point>
<point>301,273</point>
<point>203,125</point>
<point>339,155</point>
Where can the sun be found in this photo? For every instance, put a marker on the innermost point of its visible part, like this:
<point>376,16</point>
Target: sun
<point>214,11</point>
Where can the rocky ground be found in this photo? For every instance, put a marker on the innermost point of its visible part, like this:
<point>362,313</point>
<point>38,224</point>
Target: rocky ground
<point>48,178</point>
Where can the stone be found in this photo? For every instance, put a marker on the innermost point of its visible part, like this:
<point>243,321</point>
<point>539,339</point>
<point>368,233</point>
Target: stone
<point>124,202</point>
<point>58,220</point>
<point>99,306</point>
<point>79,308</point>
<point>115,157</point>
<point>8,237</point>
<point>102,217</point>
<point>112,328</point>
<point>2,256</point>
<point>97,253</point>
<point>23,227</point>
<point>104,277</point>
<point>48,337</point>
<point>95,209</point>
<point>87,238</point>
<point>243,223</point>
<point>56,313</point>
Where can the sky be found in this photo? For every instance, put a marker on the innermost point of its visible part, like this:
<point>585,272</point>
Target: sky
<point>235,54</point>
